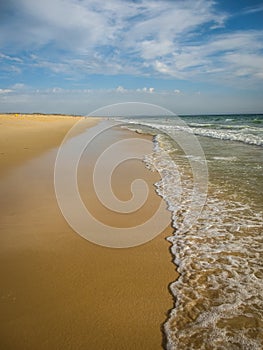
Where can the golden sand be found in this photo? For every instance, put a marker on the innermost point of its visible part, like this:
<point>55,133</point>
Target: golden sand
<point>58,290</point>
<point>23,137</point>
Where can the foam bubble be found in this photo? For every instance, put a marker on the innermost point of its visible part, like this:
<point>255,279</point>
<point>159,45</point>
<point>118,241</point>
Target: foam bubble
<point>218,294</point>
<point>241,133</point>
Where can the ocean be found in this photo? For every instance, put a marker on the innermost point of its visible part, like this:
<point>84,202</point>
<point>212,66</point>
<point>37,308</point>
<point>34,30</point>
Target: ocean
<point>212,181</point>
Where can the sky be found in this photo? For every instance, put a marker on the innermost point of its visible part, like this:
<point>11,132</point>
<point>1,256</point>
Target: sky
<point>74,56</point>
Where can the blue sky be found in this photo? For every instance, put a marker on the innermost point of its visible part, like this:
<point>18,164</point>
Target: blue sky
<point>73,56</point>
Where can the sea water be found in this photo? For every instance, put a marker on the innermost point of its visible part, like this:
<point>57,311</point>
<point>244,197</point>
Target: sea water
<point>218,297</point>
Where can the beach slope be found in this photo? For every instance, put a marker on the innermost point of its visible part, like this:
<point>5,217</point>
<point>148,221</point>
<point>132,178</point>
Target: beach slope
<point>58,290</point>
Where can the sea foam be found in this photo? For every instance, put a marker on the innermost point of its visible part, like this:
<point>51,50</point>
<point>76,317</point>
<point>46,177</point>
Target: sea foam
<point>218,295</point>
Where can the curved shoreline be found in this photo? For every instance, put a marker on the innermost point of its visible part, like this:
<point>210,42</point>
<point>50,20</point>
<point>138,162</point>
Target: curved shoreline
<point>61,290</point>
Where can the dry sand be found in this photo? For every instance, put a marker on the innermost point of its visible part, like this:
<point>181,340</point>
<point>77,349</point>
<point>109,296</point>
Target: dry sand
<point>58,290</point>
<point>23,137</point>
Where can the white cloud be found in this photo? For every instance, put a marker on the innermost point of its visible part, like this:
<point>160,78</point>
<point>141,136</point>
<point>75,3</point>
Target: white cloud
<point>153,48</point>
<point>165,23</point>
<point>146,90</point>
<point>120,89</point>
<point>5,91</point>
<point>253,9</point>
<point>246,64</point>
<point>56,67</point>
<point>161,67</point>
<point>149,27</point>
<point>18,86</point>
<point>56,90</point>
<point>148,37</point>
<point>177,91</point>
<point>9,58</point>
<point>221,57</point>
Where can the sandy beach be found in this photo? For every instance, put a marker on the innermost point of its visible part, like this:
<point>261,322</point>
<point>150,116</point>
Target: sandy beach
<point>24,136</point>
<point>58,290</point>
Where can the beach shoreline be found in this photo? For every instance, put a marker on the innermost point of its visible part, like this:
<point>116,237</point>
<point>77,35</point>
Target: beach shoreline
<point>219,257</point>
<point>59,290</point>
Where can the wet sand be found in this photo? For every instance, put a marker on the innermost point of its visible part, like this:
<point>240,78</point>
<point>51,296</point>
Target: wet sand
<point>58,290</point>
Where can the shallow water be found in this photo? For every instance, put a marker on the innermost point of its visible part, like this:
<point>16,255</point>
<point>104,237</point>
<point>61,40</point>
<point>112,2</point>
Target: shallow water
<point>218,296</point>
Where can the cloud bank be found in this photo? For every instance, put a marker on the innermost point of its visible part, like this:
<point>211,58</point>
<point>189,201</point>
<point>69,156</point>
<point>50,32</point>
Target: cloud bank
<point>170,39</point>
<point>61,50</point>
